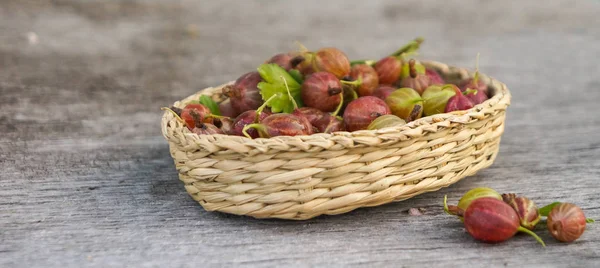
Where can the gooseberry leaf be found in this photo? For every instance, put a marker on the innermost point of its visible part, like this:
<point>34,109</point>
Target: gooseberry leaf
<point>210,104</point>
<point>296,75</point>
<point>546,210</point>
<point>273,84</point>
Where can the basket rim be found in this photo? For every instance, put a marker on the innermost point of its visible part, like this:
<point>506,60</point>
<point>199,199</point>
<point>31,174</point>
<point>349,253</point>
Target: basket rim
<point>498,102</point>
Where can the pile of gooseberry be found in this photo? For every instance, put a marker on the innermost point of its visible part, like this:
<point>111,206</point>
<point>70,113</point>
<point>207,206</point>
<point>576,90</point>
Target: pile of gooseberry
<point>304,92</point>
<point>492,217</point>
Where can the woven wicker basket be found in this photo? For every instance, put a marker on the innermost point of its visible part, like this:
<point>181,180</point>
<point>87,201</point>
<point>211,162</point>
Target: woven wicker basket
<point>306,176</point>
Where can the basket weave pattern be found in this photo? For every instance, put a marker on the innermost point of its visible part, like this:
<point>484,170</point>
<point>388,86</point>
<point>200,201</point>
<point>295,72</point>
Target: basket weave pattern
<point>306,176</point>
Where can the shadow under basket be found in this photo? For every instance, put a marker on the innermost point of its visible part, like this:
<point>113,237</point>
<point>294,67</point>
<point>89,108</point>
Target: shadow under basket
<point>303,177</point>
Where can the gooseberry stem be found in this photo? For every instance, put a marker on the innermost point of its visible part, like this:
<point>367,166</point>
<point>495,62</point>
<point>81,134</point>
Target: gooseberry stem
<point>262,107</point>
<point>367,62</point>
<point>476,76</point>
<point>412,69</point>
<point>355,83</point>
<point>259,127</point>
<point>469,91</point>
<point>402,57</point>
<point>174,113</point>
<point>527,231</point>
<point>409,49</point>
<point>354,94</point>
<point>446,205</point>
<point>412,46</point>
<point>339,107</point>
<point>301,47</point>
<point>452,210</point>
<point>216,116</point>
<point>289,93</point>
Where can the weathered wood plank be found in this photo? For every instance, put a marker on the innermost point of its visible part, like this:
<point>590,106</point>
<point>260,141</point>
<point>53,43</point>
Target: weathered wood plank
<point>86,178</point>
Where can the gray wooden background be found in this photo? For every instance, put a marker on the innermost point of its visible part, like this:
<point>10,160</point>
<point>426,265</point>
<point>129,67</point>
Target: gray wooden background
<point>86,178</point>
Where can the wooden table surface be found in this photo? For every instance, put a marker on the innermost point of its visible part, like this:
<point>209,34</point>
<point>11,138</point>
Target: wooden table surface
<point>86,178</point>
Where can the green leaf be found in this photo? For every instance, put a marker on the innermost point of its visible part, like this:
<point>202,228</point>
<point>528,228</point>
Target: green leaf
<point>588,220</point>
<point>546,210</point>
<point>271,73</point>
<point>273,84</point>
<point>210,104</point>
<point>296,75</point>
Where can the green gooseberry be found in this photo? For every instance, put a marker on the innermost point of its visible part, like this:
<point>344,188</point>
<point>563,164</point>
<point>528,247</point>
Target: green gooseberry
<point>435,98</point>
<point>405,103</point>
<point>477,193</point>
<point>388,120</point>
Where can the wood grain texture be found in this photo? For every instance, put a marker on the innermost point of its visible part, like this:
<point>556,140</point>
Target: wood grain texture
<point>86,179</point>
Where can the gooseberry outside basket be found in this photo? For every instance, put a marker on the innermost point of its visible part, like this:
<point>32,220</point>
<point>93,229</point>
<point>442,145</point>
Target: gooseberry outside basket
<point>303,177</point>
